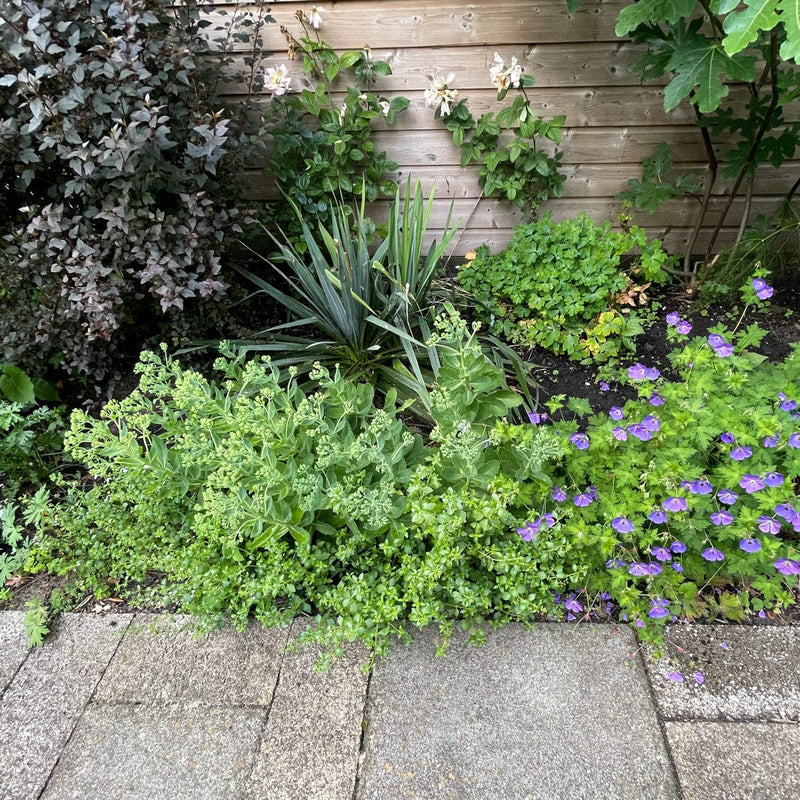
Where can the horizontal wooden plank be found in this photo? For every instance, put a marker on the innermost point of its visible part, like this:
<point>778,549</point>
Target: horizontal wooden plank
<point>413,68</point>
<point>582,180</point>
<point>353,23</point>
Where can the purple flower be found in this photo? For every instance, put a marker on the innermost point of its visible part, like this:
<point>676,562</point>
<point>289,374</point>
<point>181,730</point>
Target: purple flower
<point>558,494</point>
<point>794,441</point>
<point>548,520</point>
<point>715,340</point>
<point>675,504</point>
<point>727,496</point>
<point>787,567</point>
<point>580,440</point>
<point>701,486</point>
<point>723,517</point>
<point>786,403</point>
<point>773,479</point>
<point>724,350</point>
<point>651,373</point>
<point>712,554</point>
<point>528,531</point>
<point>675,677</point>
<point>651,423</point>
<point>656,399</point>
<point>615,412</point>
<point>662,553</point>
<point>677,567</point>
<point>636,372</point>
<point>536,418</point>
<point>763,290</point>
<point>639,569</point>
<point>658,608</point>
<point>740,453</point>
<point>622,524</point>
<point>673,318</point>
<point>620,434</point>
<point>658,516</point>
<point>785,511</point>
<point>751,483</point>
<point>771,441</point>
<point>604,387</point>
<point>616,563</point>
<point>640,432</point>
<point>582,500</point>
<point>699,678</point>
<point>655,569</point>
<point>768,525</point>
<point>573,605</point>
<point>592,490</point>
<point>727,437</point>
<point>678,547</point>
<point>684,327</point>
<point>750,545</point>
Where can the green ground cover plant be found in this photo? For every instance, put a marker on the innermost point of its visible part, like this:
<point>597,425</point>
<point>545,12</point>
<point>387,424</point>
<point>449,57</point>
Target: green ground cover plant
<point>683,503</point>
<point>564,286</point>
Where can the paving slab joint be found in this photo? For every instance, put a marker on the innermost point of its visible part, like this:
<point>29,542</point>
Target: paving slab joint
<point>362,740</point>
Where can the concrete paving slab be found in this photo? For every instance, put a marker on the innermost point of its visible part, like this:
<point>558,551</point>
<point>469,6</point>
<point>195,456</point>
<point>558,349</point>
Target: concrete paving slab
<point>142,752</point>
<point>41,706</point>
<point>750,673</point>
<point>162,661</point>
<point>736,760</point>
<point>311,743</point>
<point>555,712</point>
<point>13,646</point>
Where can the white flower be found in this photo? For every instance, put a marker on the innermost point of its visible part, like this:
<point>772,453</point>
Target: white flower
<point>384,107</point>
<point>502,78</point>
<point>440,96</point>
<point>277,81</point>
<point>315,20</point>
<point>342,112</point>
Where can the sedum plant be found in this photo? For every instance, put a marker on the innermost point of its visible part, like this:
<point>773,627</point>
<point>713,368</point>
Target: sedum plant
<point>111,149</point>
<point>563,286</point>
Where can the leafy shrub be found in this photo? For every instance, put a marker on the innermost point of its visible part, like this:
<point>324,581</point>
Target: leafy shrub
<point>255,498</point>
<point>109,155</point>
<point>562,285</point>
<point>684,502</point>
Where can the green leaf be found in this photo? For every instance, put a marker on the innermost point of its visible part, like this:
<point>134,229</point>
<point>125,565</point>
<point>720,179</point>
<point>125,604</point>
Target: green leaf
<point>742,27</point>
<point>790,16</point>
<point>16,385</point>
<point>349,58</point>
<point>652,11</point>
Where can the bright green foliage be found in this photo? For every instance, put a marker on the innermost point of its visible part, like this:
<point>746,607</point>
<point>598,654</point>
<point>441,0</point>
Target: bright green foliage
<point>324,150</point>
<point>741,396</point>
<point>255,498</point>
<point>555,286</point>
<point>35,621</point>
<point>658,183</point>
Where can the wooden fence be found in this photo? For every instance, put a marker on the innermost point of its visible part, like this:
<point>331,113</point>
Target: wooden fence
<point>581,70</point>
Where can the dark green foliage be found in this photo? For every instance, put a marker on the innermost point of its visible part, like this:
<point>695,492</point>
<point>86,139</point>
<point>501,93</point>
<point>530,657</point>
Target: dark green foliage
<point>557,285</point>
<point>111,151</point>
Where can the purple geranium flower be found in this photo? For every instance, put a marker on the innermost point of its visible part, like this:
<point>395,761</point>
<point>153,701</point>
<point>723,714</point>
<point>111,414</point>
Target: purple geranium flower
<point>558,494</point>
<point>592,490</point>
<point>655,569</point>
<point>724,350</point>
<point>677,567</point>
<point>741,453</point>
<point>715,340</point>
<point>727,437</point>
<point>638,430</point>
<point>771,441</point>
<point>615,412</point>
<point>662,553</point>
<point>573,605</point>
<point>548,520</point>
<point>750,545</point>
<point>787,567</point>
<point>684,327</point>
<point>651,373</point>
<point>786,511</point>
<point>656,399</point>
<point>701,486</point>
<point>673,318</point>
<point>723,517</point>
<point>580,440</point>
<point>712,554</point>
<point>794,441</point>
<point>636,372</point>
<point>773,479</point>
<point>786,403</point>
<point>583,499</point>
<point>528,531</point>
<point>768,525</point>
<point>762,289</point>
<point>658,516</point>
<point>675,677</point>
<point>604,387</point>
<point>536,418</point>
<point>678,547</point>
<point>751,483</point>
<point>615,563</point>
<point>639,569</point>
<point>651,423</point>
<point>675,504</point>
<point>727,496</point>
<point>620,434</point>
<point>658,608</point>
<point>699,678</point>
<point>622,524</point>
